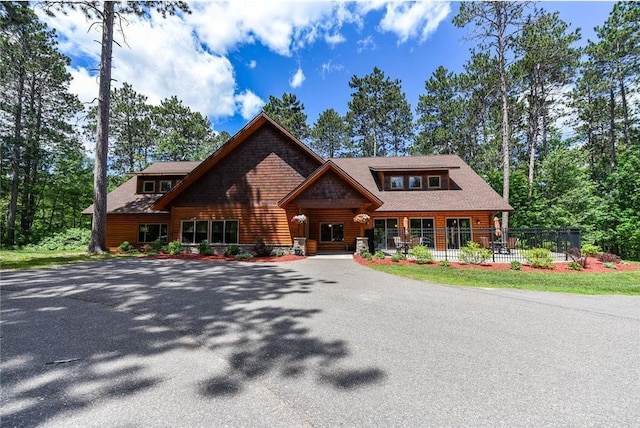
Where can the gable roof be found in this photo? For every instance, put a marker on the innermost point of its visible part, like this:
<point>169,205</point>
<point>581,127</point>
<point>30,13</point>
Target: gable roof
<point>320,172</point>
<point>474,193</point>
<point>124,198</point>
<point>241,136</point>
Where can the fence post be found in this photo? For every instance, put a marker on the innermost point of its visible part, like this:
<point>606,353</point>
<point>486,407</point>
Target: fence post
<point>446,241</point>
<point>491,246</point>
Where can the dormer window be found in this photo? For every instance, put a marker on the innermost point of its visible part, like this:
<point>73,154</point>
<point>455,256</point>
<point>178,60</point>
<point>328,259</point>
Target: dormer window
<point>434,182</point>
<point>415,182</point>
<point>165,186</point>
<point>397,182</point>
<point>148,186</point>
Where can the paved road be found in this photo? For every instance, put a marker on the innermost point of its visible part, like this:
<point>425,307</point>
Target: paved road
<point>320,342</point>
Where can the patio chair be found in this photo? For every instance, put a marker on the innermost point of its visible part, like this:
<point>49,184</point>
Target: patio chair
<point>397,243</point>
<point>415,241</point>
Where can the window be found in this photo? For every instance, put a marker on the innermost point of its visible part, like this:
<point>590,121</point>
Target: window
<point>224,231</point>
<point>331,232</point>
<point>415,182</point>
<point>151,232</point>
<point>434,182</point>
<point>165,186</point>
<point>423,228</point>
<point>148,186</point>
<point>397,182</point>
<point>194,232</point>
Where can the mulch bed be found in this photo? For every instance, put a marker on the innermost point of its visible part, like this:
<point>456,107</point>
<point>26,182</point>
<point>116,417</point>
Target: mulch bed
<point>593,266</point>
<point>218,258</point>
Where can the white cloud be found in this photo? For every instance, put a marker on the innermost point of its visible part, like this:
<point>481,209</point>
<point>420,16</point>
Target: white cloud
<point>252,64</point>
<point>334,39</point>
<point>297,79</point>
<point>330,67</point>
<point>366,44</point>
<point>410,20</point>
<point>249,104</point>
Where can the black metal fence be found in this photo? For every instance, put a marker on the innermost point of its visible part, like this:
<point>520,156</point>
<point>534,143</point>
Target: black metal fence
<point>505,245</point>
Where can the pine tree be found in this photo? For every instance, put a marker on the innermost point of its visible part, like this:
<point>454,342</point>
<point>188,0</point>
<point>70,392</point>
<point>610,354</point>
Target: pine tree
<point>330,134</point>
<point>288,111</point>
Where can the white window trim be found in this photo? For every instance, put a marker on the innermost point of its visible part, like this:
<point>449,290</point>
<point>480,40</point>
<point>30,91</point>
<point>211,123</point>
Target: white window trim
<point>439,186</point>
<point>411,177</point>
<point>392,180</point>
<point>166,181</point>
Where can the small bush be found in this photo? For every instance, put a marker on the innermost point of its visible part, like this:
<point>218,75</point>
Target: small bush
<point>66,240</point>
<point>125,247</point>
<point>515,265</point>
<point>261,249</point>
<point>589,250</point>
<point>281,252</point>
<point>204,248</point>
<point>609,265</point>
<point>397,257</point>
<point>380,255</point>
<point>174,247</point>
<point>573,265</point>
<point>422,254</point>
<point>157,245</point>
<point>538,258</point>
<point>609,258</point>
<point>445,263</point>
<point>232,250</point>
<point>366,255</point>
<point>244,256</point>
<point>473,254</point>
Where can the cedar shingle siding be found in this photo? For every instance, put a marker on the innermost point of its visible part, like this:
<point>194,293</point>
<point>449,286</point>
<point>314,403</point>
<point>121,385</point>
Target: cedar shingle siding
<point>263,175</point>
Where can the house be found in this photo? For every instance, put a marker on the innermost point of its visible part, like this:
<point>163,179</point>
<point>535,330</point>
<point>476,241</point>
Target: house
<point>262,177</point>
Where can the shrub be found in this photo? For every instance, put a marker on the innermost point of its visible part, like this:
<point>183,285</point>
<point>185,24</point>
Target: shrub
<point>397,257</point>
<point>609,258</point>
<point>125,247</point>
<point>156,245</point>
<point>261,249</point>
<point>573,265</point>
<point>609,265</point>
<point>589,250</point>
<point>379,255</point>
<point>538,258</point>
<point>204,248</point>
<point>515,265</point>
<point>473,254</point>
<point>244,256</point>
<point>174,247</point>
<point>66,240</point>
<point>366,255</point>
<point>576,257</point>
<point>445,263</point>
<point>232,250</point>
<point>422,254</point>
<point>281,252</point>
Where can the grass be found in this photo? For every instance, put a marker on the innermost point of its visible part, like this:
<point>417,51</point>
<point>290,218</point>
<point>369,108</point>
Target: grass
<point>33,259</point>
<point>578,283</point>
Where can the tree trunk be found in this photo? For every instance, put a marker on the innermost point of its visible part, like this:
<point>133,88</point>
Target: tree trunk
<point>506,168</point>
<point>533,126</point>
<point>625,108</point>
<point>612,127</point>
<point>99,224</point>
<point>15,164</point>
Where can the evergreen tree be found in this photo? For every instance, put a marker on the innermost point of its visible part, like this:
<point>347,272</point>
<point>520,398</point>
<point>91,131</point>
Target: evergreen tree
<point>181,134</point>
<point>34,112</point>
<point>496,24</point>
<point>288,111</point>
<point>330,134</point>
<point>379,116</point>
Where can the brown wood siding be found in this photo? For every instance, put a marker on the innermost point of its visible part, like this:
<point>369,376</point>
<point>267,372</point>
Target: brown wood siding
<point>269,223</point>
<point>124,227</point>
<point>440,221</point>
<point>259,172</point>
<point>345,216</point>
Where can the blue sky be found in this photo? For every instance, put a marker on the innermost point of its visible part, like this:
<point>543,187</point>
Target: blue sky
<point>226,58</point>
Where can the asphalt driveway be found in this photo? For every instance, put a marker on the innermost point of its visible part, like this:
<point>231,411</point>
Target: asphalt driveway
<point>319,342</point>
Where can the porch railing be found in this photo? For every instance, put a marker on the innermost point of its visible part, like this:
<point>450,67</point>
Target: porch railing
<point>505,245</point>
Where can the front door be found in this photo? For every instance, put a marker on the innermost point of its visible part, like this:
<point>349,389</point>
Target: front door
<point>458,232</point>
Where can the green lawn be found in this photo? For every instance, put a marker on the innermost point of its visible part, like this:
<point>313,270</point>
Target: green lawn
<point>579,282</point>
<point>31,259</point>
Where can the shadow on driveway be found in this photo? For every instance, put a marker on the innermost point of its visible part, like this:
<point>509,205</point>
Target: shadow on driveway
<point>80,333</point>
